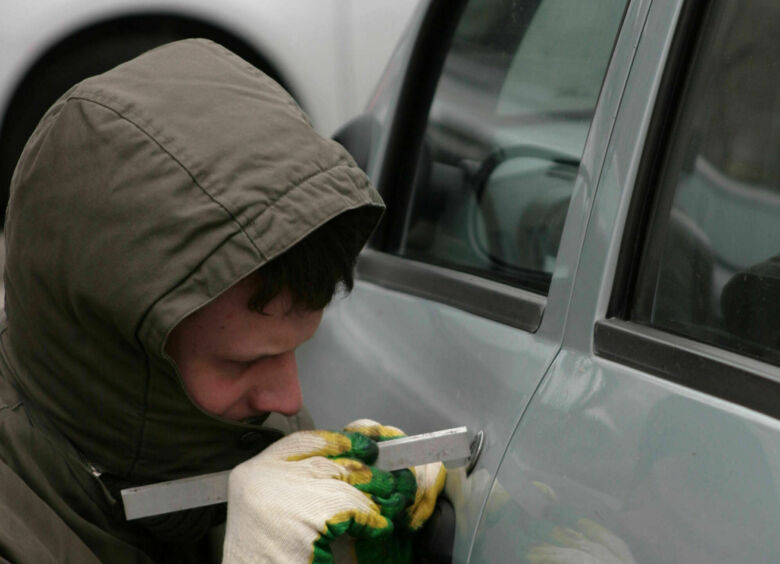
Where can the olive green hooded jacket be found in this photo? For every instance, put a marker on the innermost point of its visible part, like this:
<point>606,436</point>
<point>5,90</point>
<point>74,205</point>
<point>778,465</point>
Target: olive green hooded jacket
<point>142,195</point>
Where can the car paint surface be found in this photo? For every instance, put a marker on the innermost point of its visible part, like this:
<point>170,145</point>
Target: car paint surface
<point>585,456</point>
<point>670,474</point>
<point>640,469</point>
<point>477,372</point>
<point>383,330</point>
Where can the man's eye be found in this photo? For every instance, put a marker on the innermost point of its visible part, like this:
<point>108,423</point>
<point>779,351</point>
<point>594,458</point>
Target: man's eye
<point>247,362</point>
<point>234,365</point>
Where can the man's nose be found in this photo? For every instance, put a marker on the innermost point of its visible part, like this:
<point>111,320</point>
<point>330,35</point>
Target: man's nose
<point>276,386</point>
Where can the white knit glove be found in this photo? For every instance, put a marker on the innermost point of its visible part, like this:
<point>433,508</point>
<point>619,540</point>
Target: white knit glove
<point>421,485</point>
<point>290,502</point>
<point>430,478</point>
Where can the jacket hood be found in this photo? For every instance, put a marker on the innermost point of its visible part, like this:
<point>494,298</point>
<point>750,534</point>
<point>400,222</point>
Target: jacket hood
<point>142,195</point>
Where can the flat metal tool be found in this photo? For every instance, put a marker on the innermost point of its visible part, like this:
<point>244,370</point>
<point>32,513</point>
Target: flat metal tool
<point>451,446</point>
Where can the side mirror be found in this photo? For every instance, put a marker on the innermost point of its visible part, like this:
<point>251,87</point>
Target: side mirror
<point>356,136</point>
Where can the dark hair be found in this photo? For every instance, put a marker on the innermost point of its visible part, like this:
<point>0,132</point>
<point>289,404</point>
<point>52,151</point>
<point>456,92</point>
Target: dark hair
<point>313,269</point>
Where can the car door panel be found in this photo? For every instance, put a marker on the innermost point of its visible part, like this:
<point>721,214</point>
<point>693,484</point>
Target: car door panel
<point>666,452</point>
<point>422,360</point>
<point>612,464</point>
<point>423,366</point>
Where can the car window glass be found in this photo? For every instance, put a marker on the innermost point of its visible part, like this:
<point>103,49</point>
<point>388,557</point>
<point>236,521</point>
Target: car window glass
<point>711,266</point>
<point>505,134</point>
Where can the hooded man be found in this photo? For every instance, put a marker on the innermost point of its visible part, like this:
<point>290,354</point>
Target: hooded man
<point>175,229</point>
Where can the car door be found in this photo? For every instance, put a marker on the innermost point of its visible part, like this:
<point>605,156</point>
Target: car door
<point>655,435</point>
<point>477,140</point>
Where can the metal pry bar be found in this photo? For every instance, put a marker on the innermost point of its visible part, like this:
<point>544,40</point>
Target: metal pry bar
<point>451,446</point>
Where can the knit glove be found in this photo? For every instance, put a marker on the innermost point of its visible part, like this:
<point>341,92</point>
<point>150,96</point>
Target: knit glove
<point>422,483</point>
<point>291,501</point>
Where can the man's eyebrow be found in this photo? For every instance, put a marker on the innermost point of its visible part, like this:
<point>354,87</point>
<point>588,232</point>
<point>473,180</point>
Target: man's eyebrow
<point>259,349</point>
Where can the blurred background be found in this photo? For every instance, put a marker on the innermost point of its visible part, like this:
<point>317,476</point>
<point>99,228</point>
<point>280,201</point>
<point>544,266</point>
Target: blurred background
<point>329,54</point>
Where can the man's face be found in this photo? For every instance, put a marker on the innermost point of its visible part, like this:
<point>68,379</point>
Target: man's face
<point>238,363</point>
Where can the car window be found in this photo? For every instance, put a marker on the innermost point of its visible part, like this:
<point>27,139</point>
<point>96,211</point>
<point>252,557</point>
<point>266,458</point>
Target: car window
<point>505,134</point>
<point>711,262</point>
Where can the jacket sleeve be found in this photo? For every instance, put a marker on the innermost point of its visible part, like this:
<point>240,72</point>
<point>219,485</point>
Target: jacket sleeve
<point>30,531</point>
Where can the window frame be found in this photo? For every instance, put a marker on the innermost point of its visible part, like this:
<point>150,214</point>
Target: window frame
<point>499,301</point>
<point>484,297</point>
<point>721,373</point>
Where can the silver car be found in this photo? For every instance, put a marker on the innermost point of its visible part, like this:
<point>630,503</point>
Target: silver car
<point>581,259</point>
